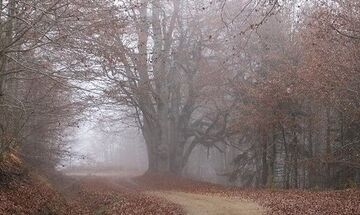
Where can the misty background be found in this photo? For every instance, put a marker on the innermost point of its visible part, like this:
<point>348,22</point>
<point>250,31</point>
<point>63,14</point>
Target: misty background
<point>255,93</point>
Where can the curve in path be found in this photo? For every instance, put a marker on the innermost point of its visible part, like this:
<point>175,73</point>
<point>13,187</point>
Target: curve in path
<point>200,204</point>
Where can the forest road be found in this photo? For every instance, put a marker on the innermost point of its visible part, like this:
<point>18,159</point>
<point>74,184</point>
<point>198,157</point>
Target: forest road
<point>206,204</point>
<point>97,188</point>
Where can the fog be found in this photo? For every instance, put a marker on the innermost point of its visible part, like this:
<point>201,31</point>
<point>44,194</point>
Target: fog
<point>257,93</point>
<point>204,90</point>
<point>109,97</point>
<point>94,150</point>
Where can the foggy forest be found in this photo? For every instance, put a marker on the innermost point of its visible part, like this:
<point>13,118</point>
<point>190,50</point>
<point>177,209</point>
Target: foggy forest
<point>179,107</point>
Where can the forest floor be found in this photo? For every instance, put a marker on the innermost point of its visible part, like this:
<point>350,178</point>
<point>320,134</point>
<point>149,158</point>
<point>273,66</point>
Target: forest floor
<point>159,194</point>
<point>26,193</point>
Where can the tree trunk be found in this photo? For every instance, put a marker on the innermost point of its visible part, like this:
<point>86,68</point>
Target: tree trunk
<point>328,149</point>
<point>311,173</point>
<point>273,160</point>
<point>286,161</point>
<point>165,152</point>
<point>264,175</point>
<point>295,160</point>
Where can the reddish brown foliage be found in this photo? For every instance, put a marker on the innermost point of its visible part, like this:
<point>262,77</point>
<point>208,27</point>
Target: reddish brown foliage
<point>96,195</point>
<point>280,202</point>
<point>24,194</point>
<point>304,202</point>
<point>112,196</point>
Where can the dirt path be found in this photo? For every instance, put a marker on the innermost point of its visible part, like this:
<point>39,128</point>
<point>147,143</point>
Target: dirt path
<point>199,204</point>
<point>171,195</point>
<point>107,195</point>
<point>124,195</point>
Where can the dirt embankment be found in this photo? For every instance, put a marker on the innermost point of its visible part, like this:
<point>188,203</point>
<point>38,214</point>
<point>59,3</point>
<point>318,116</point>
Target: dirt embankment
<point>24,193</point>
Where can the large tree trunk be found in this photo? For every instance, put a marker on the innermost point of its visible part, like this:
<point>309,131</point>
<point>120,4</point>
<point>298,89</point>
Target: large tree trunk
<point>165,151</point>
<point>158,154</point>
<point>159,92</point>
<point>150,140</point>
